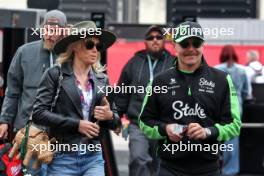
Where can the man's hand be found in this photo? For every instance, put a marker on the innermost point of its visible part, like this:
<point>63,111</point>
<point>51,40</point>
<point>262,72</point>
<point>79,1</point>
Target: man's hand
<point>196,131</point>
<point>3,131</point>
<point>89,129</point>
<point>170,129</point>
<point>103,112</point>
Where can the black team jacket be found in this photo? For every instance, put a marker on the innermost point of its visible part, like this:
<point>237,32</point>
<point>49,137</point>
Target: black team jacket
<point>206,96</point>
<point>136,74</point>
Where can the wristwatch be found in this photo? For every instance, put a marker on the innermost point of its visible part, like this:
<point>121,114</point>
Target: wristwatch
<point>207,132</point>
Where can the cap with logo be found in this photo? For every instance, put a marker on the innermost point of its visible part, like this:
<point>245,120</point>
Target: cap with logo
<point>55,17</point>
<point>188,29</point>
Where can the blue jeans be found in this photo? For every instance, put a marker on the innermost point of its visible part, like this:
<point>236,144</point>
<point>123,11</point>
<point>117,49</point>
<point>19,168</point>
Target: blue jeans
<point>41,171</point>
<point>231,158</point>
<point>77,164</point>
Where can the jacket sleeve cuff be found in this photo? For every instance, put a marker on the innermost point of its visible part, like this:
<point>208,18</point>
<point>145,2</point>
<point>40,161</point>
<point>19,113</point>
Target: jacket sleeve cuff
<point>4,120</point>
<point>214,132</point>
<point>75,124</point>
<point>116,121</point>
<point>162,129</point>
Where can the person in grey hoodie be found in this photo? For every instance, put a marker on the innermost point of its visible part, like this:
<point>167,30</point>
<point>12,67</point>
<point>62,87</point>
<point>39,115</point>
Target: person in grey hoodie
<point>27,67</point>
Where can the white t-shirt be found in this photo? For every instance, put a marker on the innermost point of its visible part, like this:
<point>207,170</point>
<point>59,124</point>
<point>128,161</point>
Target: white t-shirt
<point>255,72</point>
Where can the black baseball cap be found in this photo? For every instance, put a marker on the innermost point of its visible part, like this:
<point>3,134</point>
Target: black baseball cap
<point>188,29</point>
<point>154,28</point>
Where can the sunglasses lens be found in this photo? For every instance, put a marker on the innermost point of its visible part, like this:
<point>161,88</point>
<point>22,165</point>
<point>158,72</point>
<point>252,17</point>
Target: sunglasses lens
<point>99,47</point>
<point>149,38</point>
<point>158,37</point>
<point>89,44</point>
<point>197,43</point>
<point>184,44</point>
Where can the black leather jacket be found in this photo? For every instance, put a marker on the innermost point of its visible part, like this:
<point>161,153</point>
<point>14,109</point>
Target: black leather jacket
<point>63,122</point>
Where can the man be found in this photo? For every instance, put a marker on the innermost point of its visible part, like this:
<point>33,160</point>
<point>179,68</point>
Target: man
<point>229,64</point>
<point>252,55</point>
<point>137,72</point>
<point>199,110</point>
<point>25,72</point>
<point>254,68</point>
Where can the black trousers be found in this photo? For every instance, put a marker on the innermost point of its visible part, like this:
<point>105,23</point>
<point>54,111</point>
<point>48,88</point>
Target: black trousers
<point>166,171</point>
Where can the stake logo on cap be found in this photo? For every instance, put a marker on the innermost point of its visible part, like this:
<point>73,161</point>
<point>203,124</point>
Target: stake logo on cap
<point>186,30</point>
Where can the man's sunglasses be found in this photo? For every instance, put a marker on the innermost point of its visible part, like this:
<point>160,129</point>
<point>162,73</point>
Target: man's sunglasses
<point>151,37</point>
<point>196,43</point>
<point>89,44</point>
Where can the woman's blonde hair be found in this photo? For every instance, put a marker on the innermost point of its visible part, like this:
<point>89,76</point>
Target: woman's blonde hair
<point>68,55</point>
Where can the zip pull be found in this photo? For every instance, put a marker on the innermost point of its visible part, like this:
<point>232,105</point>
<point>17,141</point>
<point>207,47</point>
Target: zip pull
<point>43,68</point>
<point>189,91</point>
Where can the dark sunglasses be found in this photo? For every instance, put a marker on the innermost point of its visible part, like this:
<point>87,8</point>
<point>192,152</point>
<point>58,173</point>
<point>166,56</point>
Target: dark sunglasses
<point>151,37</point>
<point>196,43</point>
<point>89,44</point>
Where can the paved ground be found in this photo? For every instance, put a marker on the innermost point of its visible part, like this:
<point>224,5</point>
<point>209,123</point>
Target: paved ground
<point>121,151</point>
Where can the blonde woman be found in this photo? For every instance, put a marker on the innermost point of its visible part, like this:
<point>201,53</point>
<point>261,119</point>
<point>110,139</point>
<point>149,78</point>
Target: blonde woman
<point>81,109</point>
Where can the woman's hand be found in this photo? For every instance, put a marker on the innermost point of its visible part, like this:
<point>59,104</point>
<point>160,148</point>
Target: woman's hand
<point>89,129</point>
<point>3,131</point>
<point>103,112</point>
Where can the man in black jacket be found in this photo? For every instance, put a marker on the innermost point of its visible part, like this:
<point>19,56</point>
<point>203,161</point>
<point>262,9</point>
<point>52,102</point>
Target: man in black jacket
<point>199,110</point>
<point>137,73</point>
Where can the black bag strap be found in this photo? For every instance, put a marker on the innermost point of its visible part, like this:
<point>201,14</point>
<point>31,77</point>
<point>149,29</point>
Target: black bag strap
<point>53,104</point>
<point>58,88</point>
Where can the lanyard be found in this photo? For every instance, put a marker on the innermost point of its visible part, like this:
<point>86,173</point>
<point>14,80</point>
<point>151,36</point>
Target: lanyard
<point>151,67</point>
<point>51,59</point>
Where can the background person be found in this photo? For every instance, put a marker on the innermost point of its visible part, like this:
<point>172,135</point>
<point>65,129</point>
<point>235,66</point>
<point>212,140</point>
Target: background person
<point>254,68</point>
<point>137,72</point>
<point>24,74</point>
<point>229,60</point>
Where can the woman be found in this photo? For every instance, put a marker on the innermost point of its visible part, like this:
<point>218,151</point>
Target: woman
<point>81,108</point>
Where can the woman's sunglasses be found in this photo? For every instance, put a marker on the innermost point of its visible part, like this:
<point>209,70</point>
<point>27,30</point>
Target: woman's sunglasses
<point>196,43</point>
<point>89,44</point>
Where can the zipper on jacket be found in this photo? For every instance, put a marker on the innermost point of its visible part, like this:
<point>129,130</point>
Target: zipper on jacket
<point>189,91</point>
<point>188,76</point>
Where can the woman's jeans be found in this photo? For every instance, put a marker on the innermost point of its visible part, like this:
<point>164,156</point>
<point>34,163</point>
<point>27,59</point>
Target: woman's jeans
<point>77,164</point>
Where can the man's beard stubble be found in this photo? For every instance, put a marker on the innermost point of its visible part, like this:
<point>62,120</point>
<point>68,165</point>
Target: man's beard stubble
<point>156,54</point>
<point>48,45</point>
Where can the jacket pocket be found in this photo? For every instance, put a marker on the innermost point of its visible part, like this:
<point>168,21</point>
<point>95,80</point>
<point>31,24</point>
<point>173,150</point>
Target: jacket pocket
<point>35,68</point>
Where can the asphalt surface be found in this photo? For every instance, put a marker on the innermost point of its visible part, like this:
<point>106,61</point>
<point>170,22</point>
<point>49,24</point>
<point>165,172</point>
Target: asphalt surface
<point>122,155</point>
